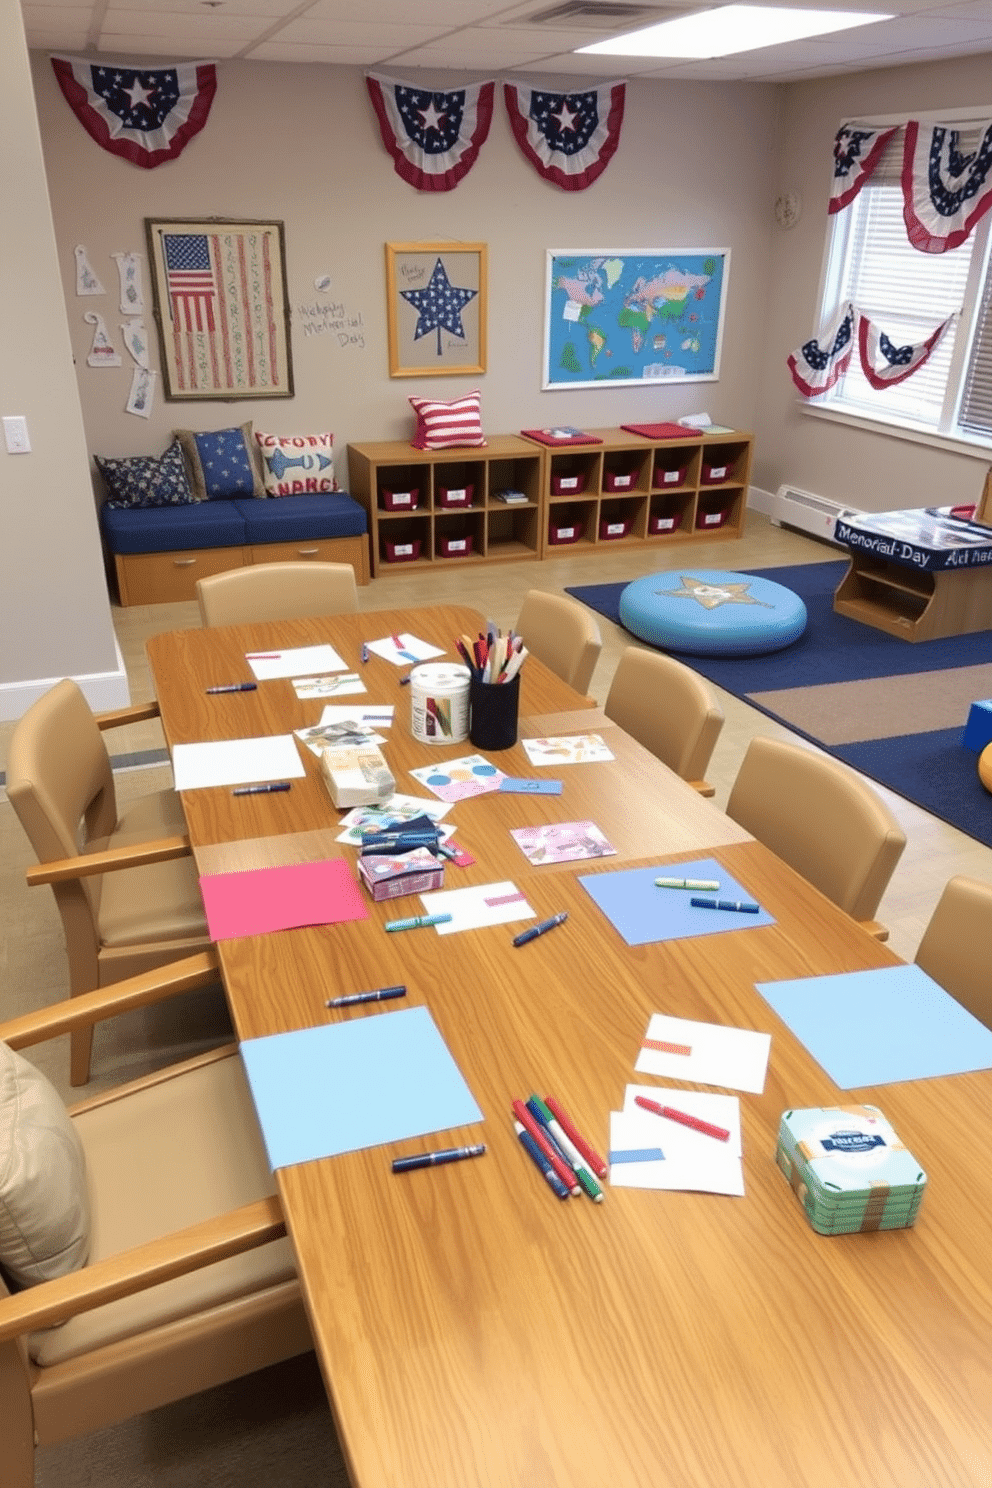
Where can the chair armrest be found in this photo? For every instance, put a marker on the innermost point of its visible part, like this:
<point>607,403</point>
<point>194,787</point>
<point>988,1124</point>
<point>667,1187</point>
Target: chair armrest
<point>148,1265</point>
<point>875,929</point>
<point>149,987</point>
<point>136,713</point>
<point>136,855</point>
<point>703,787</point>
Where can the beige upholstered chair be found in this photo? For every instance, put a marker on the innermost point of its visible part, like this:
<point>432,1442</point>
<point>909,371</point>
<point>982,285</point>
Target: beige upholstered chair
<point>125,886</point>
<point>563,634</point>
<point>189,1281</point>
<point>669,709</point>
<point>955,945</point>
<point>823,820</point>
<point>277,591</point>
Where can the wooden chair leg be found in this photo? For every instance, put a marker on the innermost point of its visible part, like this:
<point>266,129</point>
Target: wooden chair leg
<point>80,1055</point>
<point>17,1435</point>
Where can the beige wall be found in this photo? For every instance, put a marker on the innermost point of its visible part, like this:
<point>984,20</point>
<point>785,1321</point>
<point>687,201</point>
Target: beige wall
<point>849,465</point>
<point>300,144</point>
<point>54,610</point>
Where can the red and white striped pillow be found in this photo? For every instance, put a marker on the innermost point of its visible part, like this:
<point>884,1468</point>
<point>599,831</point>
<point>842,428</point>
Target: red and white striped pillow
<point>448,425</point>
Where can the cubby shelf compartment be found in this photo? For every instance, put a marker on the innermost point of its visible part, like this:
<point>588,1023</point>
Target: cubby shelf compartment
<point>499,531</point>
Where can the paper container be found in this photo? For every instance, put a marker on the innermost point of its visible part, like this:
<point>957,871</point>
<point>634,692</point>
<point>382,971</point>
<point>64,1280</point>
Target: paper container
<point>439,703</point>
<point>494,707</point>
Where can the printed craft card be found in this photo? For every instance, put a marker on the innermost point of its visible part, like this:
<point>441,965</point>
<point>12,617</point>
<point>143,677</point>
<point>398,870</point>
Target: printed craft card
<point>343,735</point>
<point>318,687</point>
<point>455,780</point>
<point>577,749</point>
<point>394,812</point>
<point>562,842</point>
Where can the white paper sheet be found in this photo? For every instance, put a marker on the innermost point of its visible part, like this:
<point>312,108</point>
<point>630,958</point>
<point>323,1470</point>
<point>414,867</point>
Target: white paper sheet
<point>404,650</point>
<point>482,904</point>
<point>717,1055</point>
<point>692,1161</point>
<point>294,662</point>
<point>236,762</point>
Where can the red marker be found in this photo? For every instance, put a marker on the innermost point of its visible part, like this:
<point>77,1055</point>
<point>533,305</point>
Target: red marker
<point>563,1171</point>
<point>590,1154</point>
<point>706,1127</point>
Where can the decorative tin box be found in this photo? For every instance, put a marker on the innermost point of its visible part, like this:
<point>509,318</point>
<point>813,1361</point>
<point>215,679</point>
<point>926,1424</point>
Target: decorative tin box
<point>392,876</point>
<point>849,1170</point>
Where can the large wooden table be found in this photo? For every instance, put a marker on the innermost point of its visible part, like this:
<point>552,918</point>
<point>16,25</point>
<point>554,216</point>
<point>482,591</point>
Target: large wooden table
<point>475,1332</point>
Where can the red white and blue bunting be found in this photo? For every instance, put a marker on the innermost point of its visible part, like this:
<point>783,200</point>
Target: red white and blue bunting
<point>144,114</point>
<point>821,361</point>
<point>944,192</point>
<point>569,138</point>
<point>885,364</point>
<point>856,155</point>
<point>433,137</point>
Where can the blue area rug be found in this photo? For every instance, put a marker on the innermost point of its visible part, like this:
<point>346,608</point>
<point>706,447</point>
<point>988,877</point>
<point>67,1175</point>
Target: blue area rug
<point>929,768</point>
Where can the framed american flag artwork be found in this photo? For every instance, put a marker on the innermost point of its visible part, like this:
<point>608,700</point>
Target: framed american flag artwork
<point>221,308</point>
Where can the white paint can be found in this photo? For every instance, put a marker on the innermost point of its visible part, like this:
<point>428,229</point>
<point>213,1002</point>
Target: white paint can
<point>439,703</point>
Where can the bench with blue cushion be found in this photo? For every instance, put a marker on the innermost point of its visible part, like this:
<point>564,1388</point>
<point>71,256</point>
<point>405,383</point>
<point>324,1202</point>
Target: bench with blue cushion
<point>160,551</point>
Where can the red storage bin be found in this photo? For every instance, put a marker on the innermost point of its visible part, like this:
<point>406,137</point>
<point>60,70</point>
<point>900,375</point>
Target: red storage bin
<point>608,531</point>
<point>568,484</point>
<point>670,477</point>
<point>660,522</point>
<point>715,475</point>
<point>709,519</point>
<point>449,496</point>
<point>455,547</point>
<point>400,500</point>
<point>403,552</point>
<point>561,531</point>
<point>619,480</point>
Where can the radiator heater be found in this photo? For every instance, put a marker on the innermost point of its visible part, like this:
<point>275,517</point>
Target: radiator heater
<point>811,514</point>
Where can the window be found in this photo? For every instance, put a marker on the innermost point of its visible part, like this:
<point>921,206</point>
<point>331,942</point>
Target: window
<point>906,294</point>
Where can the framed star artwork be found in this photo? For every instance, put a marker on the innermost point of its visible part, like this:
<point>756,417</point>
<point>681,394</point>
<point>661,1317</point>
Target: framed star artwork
<point>436,309</point>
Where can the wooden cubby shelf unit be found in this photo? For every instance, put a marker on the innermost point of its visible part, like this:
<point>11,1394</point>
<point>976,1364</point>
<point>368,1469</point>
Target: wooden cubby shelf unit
<point>639,492</point>
<point>443,506</point>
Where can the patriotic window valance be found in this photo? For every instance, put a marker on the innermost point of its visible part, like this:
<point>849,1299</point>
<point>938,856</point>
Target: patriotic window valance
<point>946,189</point>
<point>821,361</point>
<point>144,114</point>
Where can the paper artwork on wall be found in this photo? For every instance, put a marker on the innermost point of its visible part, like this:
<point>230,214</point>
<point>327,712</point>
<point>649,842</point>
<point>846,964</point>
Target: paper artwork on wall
<point>102,352</point>
<point>433,137</point>
<point>136,340</point>
<point>569,138</point>
<point>87,282</point>
<point>132,294</point>
<point>146,115</point>
<point>142,395</point>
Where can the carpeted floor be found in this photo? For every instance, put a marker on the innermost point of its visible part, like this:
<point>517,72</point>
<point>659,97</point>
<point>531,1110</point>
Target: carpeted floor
<point>893,709</point>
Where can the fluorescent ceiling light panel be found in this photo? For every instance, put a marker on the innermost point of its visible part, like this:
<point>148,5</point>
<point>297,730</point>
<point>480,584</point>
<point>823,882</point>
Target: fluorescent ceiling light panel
<point>729,29</point>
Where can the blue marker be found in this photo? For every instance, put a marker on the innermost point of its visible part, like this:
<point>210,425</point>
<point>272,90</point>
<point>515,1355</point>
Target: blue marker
<point>538,1157</point>
<point>739,906</point>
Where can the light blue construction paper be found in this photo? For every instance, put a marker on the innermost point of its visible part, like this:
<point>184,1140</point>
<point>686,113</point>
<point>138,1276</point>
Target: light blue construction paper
<point>643,913</point>
<point>344,1086</point>
<point>880,1027</point>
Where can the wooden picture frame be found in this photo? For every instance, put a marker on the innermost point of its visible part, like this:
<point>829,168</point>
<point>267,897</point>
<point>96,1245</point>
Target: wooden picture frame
<point>221,308</point>
<point>436,309</point>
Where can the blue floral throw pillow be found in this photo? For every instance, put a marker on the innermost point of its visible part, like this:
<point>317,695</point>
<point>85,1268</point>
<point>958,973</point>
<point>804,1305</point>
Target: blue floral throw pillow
<point>222,463</point>
<point>143,480</point>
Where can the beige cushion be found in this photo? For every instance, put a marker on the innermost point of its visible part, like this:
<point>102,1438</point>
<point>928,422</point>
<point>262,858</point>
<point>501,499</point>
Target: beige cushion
<point>174,1153</point>
<point>161,902</point>
<point>44,1206</point>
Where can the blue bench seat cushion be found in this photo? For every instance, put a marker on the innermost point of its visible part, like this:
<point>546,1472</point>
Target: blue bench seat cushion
<point>306,518</point>
<point>708,612</point>
<point>171,529</point>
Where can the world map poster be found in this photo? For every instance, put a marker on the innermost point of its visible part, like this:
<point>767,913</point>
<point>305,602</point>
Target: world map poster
<point>633,316</point>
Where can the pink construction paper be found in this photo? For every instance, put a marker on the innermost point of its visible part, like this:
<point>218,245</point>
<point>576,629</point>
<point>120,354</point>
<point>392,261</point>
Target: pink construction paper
<point>262,899</point>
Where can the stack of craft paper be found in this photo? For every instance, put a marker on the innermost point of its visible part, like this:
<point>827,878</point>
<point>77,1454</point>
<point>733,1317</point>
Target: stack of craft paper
<point>849,1170</point>
<point>357,777</point>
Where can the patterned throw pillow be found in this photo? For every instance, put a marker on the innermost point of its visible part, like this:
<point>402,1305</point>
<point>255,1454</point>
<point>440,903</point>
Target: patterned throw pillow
<point>222,463</point>
<point>297,464</point>
<point>143,480</point>
<point>448,425</point>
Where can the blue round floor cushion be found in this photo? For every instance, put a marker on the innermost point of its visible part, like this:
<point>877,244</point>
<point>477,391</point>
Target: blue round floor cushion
<point>708,612</point>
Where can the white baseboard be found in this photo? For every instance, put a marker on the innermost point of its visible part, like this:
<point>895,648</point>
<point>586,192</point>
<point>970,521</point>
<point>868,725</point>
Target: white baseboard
<point>761,501</point>
<point>102,690</point>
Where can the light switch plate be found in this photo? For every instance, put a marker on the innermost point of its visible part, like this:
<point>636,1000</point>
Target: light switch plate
<point>15,432</point>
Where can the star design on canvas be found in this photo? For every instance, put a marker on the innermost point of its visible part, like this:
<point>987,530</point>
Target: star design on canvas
<point>439,306</point>
<point>712,596</point>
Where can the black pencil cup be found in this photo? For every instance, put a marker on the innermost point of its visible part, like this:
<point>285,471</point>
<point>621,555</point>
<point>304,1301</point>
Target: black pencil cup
<point>493,715</point>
